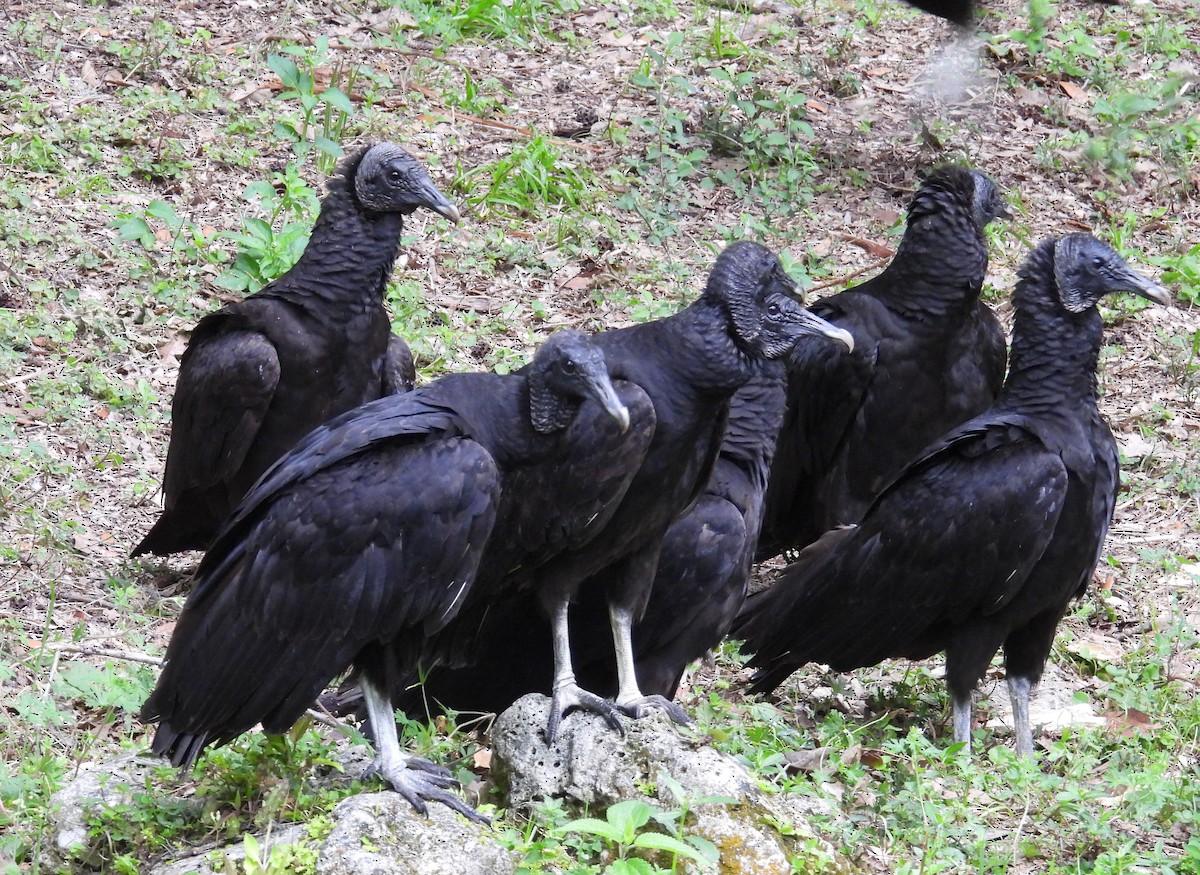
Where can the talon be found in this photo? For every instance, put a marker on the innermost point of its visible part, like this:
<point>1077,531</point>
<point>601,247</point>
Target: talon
<point>641,707</point>
<point>570,697</point>
<point>419,781</point>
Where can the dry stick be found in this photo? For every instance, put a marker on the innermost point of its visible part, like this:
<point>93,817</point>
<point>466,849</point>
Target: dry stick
<point>105,651</point>
<point>455,115</point>
<point>85,650</point>
<point>879,262</point>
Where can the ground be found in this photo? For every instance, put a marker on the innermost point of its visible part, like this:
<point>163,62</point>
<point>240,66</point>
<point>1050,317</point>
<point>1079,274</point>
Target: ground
<point>602,154</point>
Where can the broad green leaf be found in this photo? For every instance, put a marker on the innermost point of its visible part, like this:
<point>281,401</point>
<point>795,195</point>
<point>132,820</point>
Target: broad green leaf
<point>629,816</point>
<point>592,826</point>
<point>656,841</point>
<point>163,210</point>
<point>285,69</point>
<point>328,146</point>
<point>134,228</point>
<point>705,848</point>
<point>337,98</point>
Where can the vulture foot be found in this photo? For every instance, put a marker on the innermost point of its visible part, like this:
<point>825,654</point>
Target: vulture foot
<point>418,780</point>
<point>642,706</point>
<point>571,696</point>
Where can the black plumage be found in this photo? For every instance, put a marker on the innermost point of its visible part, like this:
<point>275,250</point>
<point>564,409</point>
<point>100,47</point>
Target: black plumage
<point>981,542</point>
<point>364,540</point>
<point>928,354</point>
<point>960,12</point>
<point>699,585</point>
<point>261,373</point>
<point>689,364</point>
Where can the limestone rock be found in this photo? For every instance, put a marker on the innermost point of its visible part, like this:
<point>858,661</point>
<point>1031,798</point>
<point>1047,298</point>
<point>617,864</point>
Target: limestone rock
<point>591,765</point>
<point>96,785</point>
<point>381,834</point>
<point>214,862</point>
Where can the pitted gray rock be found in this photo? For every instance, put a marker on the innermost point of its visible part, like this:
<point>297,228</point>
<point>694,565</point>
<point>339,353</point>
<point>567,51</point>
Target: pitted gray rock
<point>381,834</point>
<point>96,786</point>
<point>591,765</point>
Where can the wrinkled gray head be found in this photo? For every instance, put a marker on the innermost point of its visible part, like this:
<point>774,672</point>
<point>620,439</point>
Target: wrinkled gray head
<point>987,202</point>
<point>389,180</point>
<point>762,301</point>
<point>1085,270</point>
<point>566,370</point>
<point>952,186</point>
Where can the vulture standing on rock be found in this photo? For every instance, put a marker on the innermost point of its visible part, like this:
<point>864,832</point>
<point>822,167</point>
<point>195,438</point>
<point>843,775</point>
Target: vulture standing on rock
<point>690,365</point>
<point>366,538</point>
<point>984,539</point>
<point>700,584</point>
<point>928,354</point>
<point>260,374</point>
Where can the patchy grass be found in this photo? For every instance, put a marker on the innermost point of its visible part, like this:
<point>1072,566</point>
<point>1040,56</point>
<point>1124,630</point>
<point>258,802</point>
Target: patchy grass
<point>157,162</point>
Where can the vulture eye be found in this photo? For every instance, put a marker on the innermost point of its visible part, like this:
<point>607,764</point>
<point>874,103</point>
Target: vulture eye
<point>1097,261</point>
<point>394,174</point>
<point>773,310</point>
<point>569,366</point>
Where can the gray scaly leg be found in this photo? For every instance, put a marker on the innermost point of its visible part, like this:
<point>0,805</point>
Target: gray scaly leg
<point>962,721</point>
<point>1018,693</point>
<point>414,778</point>
<point>629,695</point>
<point>567,693</point>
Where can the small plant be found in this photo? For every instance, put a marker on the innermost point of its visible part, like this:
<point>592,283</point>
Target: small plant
<point>533,174</point>
<point>622,828</point>
<point>265,253</point>
<point>323,111</point>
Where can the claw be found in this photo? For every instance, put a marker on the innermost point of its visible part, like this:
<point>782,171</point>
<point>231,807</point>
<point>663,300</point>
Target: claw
<point>571,696</point>
<point>642,706</point>
<point>418,781</point>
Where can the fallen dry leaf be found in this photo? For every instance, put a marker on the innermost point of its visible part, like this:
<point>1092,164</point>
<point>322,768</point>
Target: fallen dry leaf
<point>1073,91</point>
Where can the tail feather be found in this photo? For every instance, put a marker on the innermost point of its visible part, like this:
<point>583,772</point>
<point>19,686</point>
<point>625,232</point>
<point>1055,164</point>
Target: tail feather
<point>182,748</point>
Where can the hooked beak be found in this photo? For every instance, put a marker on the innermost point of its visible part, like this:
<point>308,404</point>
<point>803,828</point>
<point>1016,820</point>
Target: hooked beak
<point>1140,284</point>
<point>811,323</point>
<point>606,396</point>
<point>427,195</point>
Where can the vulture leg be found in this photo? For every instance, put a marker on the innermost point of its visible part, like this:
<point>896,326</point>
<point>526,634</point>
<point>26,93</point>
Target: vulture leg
<point>414,778</point>
<point>629,695</point>
<point>1018,692</point>
<point>567,693</point>
<point>962,720</point>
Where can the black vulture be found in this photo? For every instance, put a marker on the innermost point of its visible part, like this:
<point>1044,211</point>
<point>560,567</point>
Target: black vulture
<point>928,354</point>
<point>962,12</point>
<point>261,373</point>
<point>365,538</point>
<point>982,541</point>
<point>959,12</point>
<point>690,364</point>
<point>699,585</point>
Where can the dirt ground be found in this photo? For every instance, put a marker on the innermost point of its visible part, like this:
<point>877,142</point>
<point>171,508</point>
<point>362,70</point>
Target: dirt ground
<point>877,119</point>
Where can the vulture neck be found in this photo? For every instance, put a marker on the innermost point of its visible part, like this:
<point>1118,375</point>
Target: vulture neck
<point>1054,353</point>
<point>708,355</point>
<point>549,411</point>
<point>933,275</point>
<point>755,417</point>
<point>350,254</point>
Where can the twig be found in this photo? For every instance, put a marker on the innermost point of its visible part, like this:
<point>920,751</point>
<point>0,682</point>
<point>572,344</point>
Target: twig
<point>842,280</point>
<point>87,650</point>
<point>503,126</point>
<point>325,719</point>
